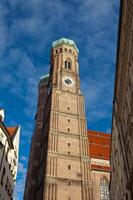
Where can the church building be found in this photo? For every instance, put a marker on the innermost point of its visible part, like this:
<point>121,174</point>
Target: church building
<point>59,166</point>
<point>99,148</point>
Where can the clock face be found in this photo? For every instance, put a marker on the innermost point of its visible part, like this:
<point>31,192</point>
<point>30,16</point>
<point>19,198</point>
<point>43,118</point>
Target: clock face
<point>68,81</point>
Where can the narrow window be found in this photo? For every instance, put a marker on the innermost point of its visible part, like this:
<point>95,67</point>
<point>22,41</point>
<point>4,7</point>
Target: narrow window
<point>7,153</point>
<point>6,186</point>
<point>69,167</point>
<point>69,144</point>
<point>1,145</point>
<point>56,51</point>
<point>104,189</point>
<point>69,182</point>
<point>69,152</point>
<point>68,120</point>
<point>126,196</point>
<point>68,129</point>
<point>67,64</point>
<point>68,108</point>
<point>3,174</point>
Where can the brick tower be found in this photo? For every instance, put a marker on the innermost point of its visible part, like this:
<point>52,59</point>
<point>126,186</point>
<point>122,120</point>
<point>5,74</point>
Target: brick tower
<point>59,165</point>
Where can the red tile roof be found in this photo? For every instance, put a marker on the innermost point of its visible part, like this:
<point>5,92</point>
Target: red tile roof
<point>99,144</point>
<point>11,130</point>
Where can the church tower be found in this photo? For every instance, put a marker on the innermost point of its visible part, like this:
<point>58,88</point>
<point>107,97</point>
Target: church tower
<point>62,170</point>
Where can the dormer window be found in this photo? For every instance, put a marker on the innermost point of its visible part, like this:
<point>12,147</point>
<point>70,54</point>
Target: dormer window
<point>67,64</point>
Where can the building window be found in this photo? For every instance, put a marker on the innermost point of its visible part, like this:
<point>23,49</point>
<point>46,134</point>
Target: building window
<point>68,120</point>
<point>104,189</point>
<point>68,108</point>
<point>69,167</point>
<point>67,64</point>
<point>69,144</point>
<point>1,145</point>
<point>3,174</point>
<point>68,129</point>
<point>69,182</point>
<point>7,153</point>
<point>65,49</point>
<point>6,186</point>
<point>126,196</point>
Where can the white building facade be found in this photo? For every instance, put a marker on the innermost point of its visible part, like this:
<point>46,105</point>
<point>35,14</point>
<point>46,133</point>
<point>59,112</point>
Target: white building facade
<point>9,147</point>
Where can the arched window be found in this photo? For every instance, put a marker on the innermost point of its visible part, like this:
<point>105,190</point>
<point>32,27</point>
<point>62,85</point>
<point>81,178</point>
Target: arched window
<point>104,189</point>
<point>67,64</point>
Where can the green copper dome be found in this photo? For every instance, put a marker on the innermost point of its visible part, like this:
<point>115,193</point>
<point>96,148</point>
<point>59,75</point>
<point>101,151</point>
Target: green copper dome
<point>44,76</point>
<point>64,41</point>
<point>43,80</point>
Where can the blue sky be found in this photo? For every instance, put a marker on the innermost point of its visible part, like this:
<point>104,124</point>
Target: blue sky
<point>27,29</point>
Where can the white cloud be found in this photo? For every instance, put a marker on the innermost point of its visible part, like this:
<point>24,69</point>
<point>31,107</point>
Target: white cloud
<point>4,31</point>
<point>29,35</point>
<point>98,96</point>
<point>23,158</point>
<point>21,168</point>
<point>23,79</point>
